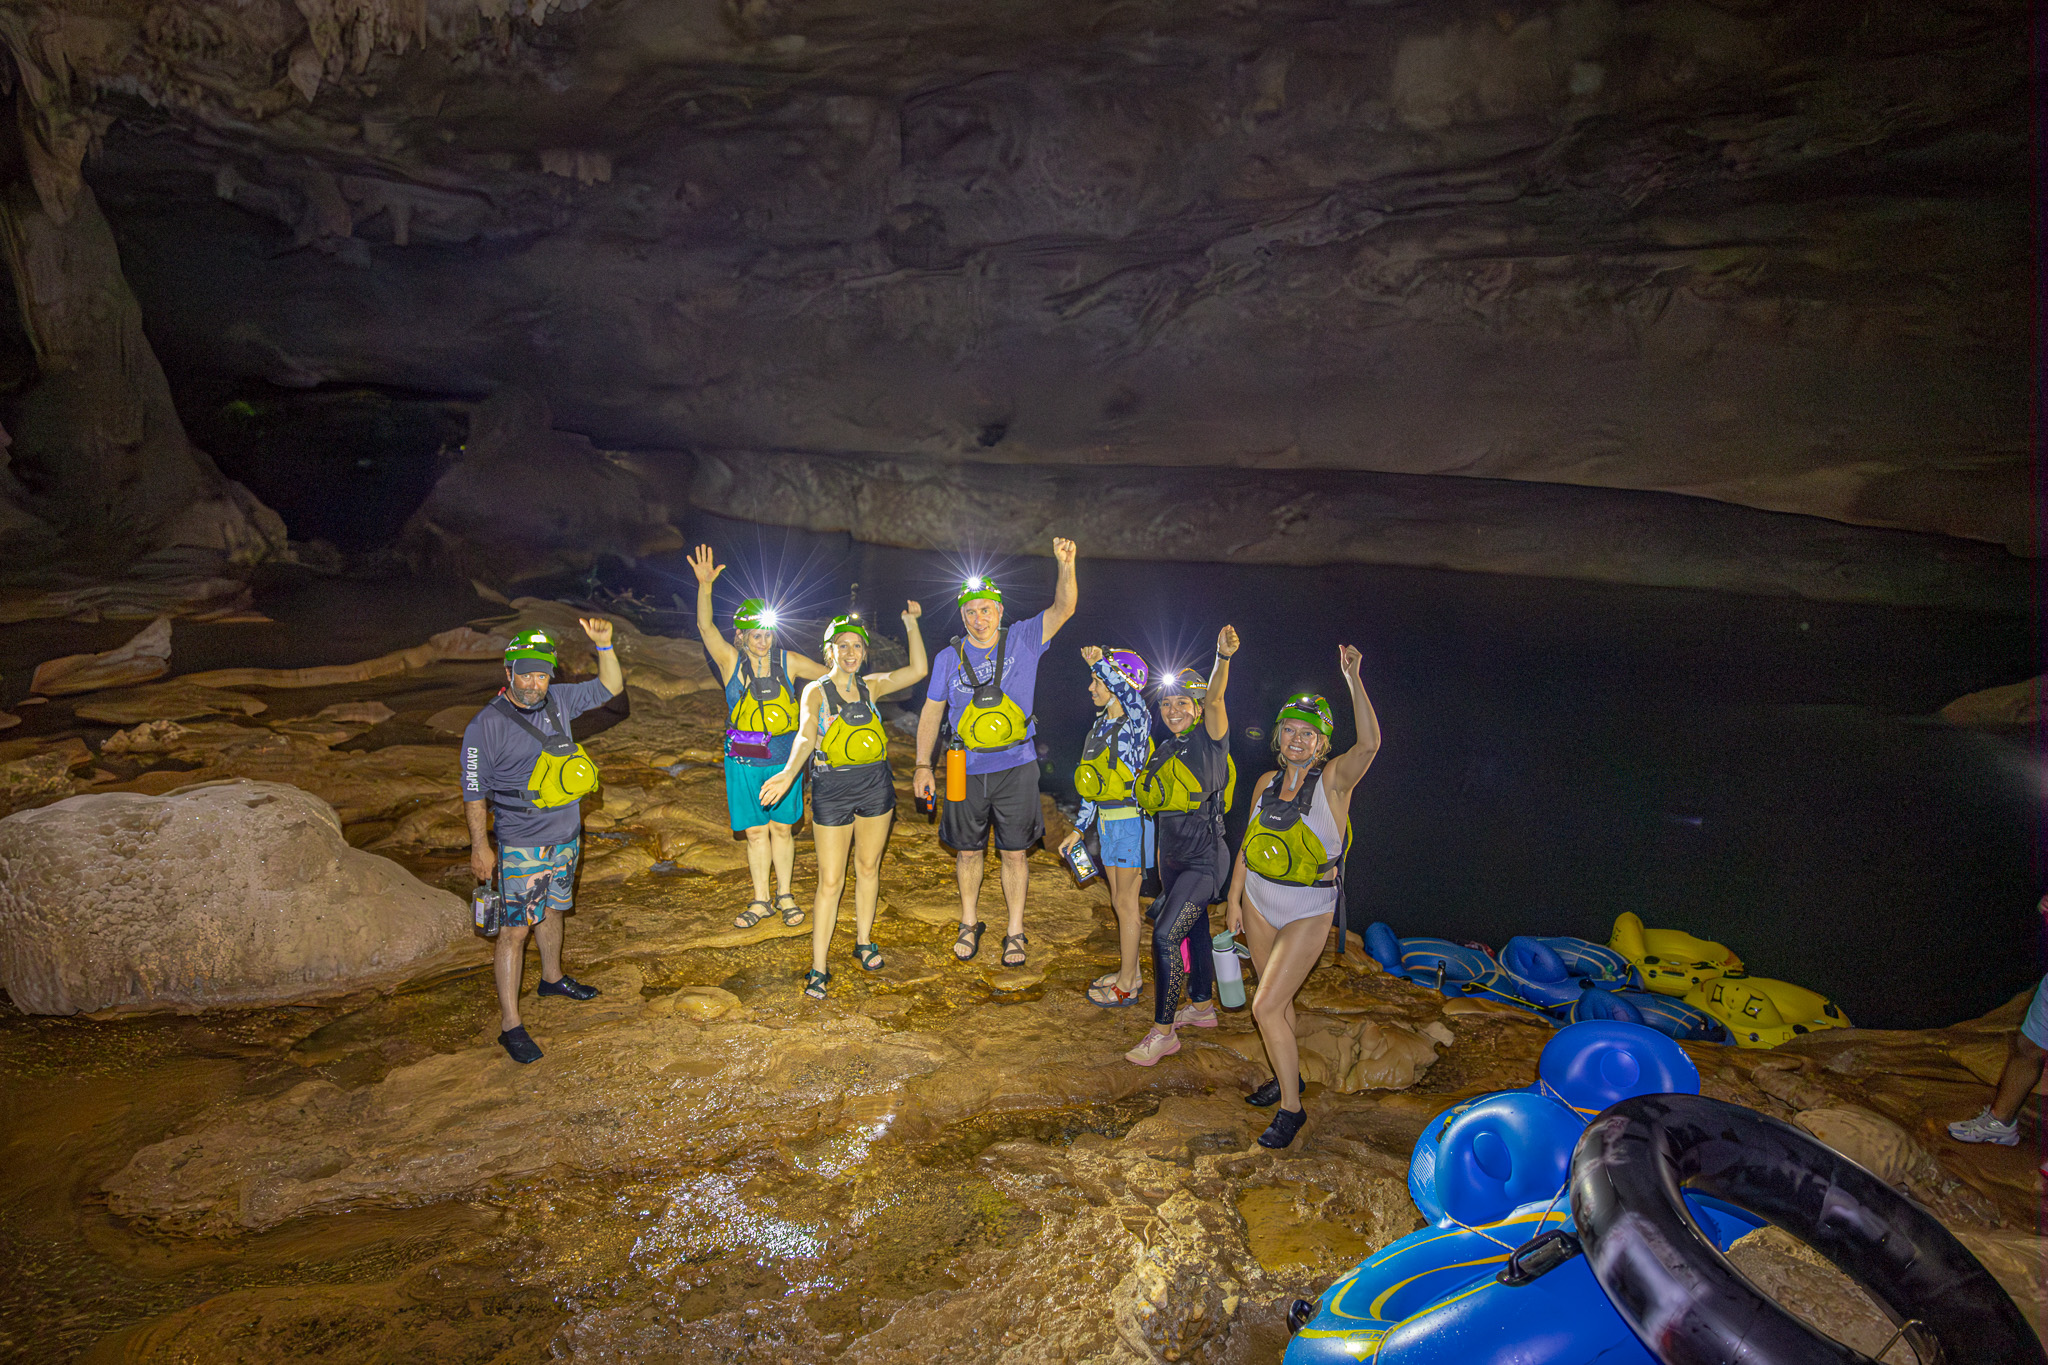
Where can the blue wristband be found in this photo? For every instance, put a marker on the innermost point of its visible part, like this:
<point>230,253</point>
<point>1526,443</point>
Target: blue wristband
<point>603,647</point>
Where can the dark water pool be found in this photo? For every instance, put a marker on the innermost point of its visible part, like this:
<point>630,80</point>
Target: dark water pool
<point>1756,770</point>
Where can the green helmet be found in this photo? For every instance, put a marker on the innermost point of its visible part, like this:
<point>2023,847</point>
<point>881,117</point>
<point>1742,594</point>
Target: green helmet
<point>979,587</point>
<point>531,644</point>
<point>754,614</point>
<point>841,624</point>
<point>1311,710</point>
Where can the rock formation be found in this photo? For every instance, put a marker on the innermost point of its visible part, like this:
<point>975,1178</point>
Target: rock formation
<point>1780,257</point>
<point>228,893</point>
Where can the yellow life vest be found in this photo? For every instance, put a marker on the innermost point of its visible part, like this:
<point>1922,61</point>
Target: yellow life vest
<point>853,735</point>
<point>563,774</point>
<point>765,705</point>
<point>1279,845</point>
<point>990,720</point>
<point>1102,776</point>
<point>1166,785</point>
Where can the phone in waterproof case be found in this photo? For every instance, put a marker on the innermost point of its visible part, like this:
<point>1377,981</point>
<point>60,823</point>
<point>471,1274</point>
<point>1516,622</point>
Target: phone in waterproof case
<point>1078,859</point>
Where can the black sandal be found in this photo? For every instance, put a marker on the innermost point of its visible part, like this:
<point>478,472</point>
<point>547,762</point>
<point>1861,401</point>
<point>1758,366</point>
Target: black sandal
<point>1286,1123</point>
<point>815,982</point>
<point>750,917</point>
<point>969,938</point>
<point>869,956</point>
<point>1020,941</point>
<point>792,914</point>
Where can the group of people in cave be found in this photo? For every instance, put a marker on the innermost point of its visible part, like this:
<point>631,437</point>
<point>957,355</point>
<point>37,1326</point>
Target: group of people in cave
<point>1149,802</point>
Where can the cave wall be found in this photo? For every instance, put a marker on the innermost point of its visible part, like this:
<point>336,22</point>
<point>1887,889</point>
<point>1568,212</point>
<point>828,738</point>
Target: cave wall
<point>1779,255</point>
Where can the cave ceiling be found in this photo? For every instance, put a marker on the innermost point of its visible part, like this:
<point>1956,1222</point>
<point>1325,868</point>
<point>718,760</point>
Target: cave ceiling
<point>1776,254</point>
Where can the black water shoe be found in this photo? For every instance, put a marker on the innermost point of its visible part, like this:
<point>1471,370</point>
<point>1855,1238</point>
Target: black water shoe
<point>570,987</point>
<point>1286,1123</point>
<point>1266,1096</point>
<point>522,1048</point>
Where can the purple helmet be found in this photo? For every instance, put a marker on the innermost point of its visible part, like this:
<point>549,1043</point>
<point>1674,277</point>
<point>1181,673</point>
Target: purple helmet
<point>1127,662</point>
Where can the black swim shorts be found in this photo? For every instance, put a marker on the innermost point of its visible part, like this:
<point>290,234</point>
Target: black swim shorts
<point>1006,799</point>
<point>838,795</point>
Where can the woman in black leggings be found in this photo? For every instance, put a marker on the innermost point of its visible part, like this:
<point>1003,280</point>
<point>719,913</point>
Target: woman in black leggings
<point>1184,786</point>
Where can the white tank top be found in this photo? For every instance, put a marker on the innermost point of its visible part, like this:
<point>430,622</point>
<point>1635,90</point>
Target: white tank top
<point>1285,902</point>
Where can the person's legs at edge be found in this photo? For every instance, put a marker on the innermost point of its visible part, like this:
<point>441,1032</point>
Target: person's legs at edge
<point>2023,1065</point>
<point>1292,956</point>
<point>832,843</point>
<point>1130,918</point>
<point>870,837</point>
<point>1999,1121</point>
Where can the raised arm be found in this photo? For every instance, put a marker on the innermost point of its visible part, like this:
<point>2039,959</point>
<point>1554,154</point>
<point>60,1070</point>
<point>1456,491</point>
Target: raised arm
<point>1215,715</point>
<point>813,702</point>
<point>1343,771</point>
<point>895,680</point>
<point>803,667</point>
<point>608,671</point>
<point>1064,593</point>
<point>707,569</point>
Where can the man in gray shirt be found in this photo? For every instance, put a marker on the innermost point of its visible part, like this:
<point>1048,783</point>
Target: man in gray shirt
<point>520,761</point>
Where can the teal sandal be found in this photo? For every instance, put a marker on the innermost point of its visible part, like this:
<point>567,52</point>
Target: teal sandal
<point>815,982</point>
<point>869,956</point>
<point>750,917</point>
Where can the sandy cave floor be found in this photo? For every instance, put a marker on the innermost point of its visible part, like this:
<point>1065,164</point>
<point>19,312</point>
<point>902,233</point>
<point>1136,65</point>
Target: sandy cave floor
<point>943,1161</point>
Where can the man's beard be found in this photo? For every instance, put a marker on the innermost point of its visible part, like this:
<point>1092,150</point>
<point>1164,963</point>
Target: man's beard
<point>526,698</point>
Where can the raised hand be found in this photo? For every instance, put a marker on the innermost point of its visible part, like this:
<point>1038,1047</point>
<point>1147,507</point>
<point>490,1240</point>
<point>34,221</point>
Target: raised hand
<point>1092,654</point>
<point>911,611</point>
<point>1063,550</point>
<point>598,629</point>
<point>1348,659</point>
<point>1226,641</point>
<point>705,565</point>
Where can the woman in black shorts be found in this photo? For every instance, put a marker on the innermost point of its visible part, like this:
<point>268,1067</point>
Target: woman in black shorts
<point>853,796</point>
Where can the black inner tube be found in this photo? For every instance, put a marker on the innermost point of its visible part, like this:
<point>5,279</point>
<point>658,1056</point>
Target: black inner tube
<point>1691,1307</point>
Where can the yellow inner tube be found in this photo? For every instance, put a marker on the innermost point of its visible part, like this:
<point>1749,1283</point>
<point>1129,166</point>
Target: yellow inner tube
<point>1762,1012</point>
<point>1672,961</point>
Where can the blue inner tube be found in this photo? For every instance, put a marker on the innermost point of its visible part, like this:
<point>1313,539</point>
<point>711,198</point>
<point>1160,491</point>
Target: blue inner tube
<point>1683,1299</point>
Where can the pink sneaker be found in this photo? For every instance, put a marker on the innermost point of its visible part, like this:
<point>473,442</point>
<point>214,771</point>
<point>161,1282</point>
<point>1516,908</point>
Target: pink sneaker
<point>1152,1047</point>
<point>1199,1016</point>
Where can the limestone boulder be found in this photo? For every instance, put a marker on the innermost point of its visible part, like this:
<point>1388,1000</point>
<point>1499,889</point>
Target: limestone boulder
<point>231,893</point>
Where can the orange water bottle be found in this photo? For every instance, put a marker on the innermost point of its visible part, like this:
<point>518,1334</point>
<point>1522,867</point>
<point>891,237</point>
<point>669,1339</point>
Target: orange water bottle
<point>956,772</point>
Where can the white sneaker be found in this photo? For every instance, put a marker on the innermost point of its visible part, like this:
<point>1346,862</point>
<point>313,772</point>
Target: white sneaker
<point>1152,1047</point>
<point>1985,1128</point>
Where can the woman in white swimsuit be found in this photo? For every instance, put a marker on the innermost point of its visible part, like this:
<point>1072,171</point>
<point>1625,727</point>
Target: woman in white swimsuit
<point>1288,870</point>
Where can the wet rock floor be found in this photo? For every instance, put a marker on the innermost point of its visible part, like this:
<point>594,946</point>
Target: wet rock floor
<point>943,1161</point>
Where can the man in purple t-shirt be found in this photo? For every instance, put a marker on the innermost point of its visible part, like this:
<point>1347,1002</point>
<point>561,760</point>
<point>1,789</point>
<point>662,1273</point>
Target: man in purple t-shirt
<point>985,685</point>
